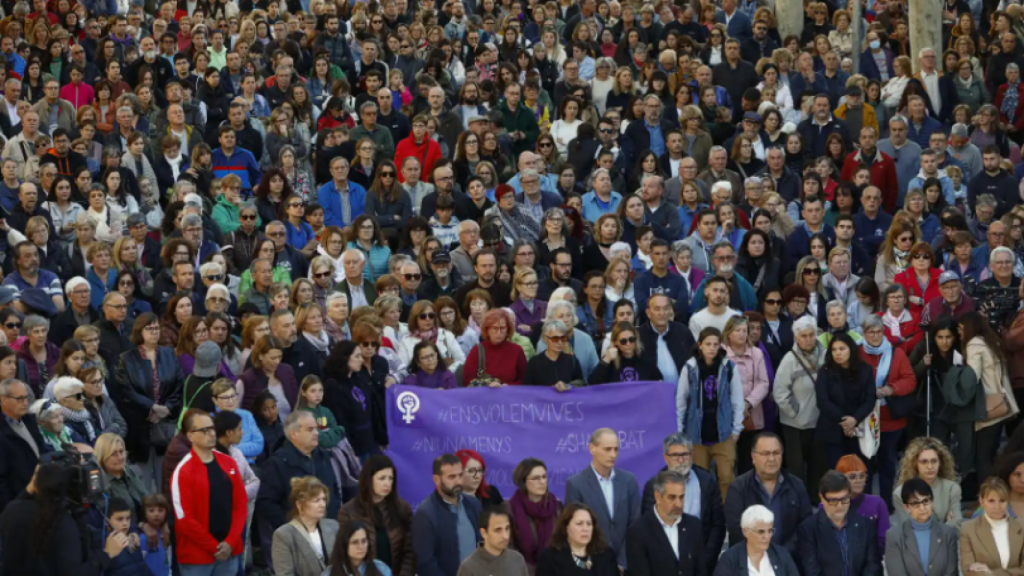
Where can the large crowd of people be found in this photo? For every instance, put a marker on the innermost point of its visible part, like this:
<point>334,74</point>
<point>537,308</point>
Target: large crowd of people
<point>227,228</point>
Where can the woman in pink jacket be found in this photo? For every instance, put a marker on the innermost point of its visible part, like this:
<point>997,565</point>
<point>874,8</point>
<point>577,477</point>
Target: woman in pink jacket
<point>754,374</point>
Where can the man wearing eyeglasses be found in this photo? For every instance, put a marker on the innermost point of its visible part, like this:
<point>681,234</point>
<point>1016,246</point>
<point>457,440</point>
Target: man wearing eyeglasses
<point>210,503</point>
<point>21,443</point>
<point>702,498</point>
<point>410,279</point>
<point>114,330</point>
<point>836,540</point>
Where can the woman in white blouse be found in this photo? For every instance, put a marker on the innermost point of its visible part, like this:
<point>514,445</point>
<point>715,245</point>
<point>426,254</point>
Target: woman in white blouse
<point>893,90</point>
<point>564,129</point>
<point>993,527</point>
<point>783,97</point>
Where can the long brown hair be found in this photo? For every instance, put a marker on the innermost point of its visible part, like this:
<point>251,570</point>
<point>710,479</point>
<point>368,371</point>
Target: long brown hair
<point>975,324</point>
<point>560,536</point>
<point>378,188</point>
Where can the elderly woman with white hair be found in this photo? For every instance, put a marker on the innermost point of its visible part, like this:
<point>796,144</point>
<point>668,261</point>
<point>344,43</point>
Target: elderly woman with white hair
<point>321,272</point>
<point>838,322</point>
<point>554,367</point>
<point>56,434</point>
<point>336,322</point>
<point>69,392</point>
<point>218,298</point>
<point>578,342</point>
<point>758,555</point>
<point>797,400</point>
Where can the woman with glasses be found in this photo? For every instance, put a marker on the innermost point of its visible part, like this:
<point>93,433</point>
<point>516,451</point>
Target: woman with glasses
<point>474,479</point>
<point>918,545</point>
<point>144,398</point>
<point>118,479</point>
<point>366,236</point>
<point>623,360</point>
<point>496,359</point>
<point>894,253</point>
<point>809,276</point>
<point>555,366</point>
<point>227,399</point>
<point>516,223</point>
<point>424,326</point>
<point>102,410</point>
<point>534,509</point>
<point>38,353</point>
<point>127,287</point>
<point>450,318</point>
<point>528,310</point>
<point>902,326</point>
<point>427,368</point>
<point>921,279</point>
<point>69,395</point>
<point>867,505</point>
<point>929,460</point>
<point>554,234</point>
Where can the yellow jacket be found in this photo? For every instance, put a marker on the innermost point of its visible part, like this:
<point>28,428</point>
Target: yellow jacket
<point>870,118</point>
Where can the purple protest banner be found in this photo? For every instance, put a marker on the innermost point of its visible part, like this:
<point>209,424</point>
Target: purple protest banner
<point>509,424</point>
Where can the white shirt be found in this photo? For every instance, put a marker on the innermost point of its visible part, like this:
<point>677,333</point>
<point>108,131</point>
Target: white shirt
<point>358,297</point>
<point>12,112</point>
<point>764,567</point>
<point>671,531</point>
<point>1001,534</point>
<point>674,167</point>
<point>667,365</point>
<point>607,489</point>
<point>931,86</point>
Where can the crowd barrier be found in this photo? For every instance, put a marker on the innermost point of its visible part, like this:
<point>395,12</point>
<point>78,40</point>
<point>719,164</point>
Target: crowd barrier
<point>506,425</point>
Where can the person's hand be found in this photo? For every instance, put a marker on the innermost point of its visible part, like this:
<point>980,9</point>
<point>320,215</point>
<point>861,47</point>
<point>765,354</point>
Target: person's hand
<point>978,567</point>
<point>928,357</point>
<point>887,390</point>
<point>949,516</point>
<point>495,384</point>
<point>727,227</point>
<point>610,354</point>
<point>134,542</point>
<point>849,433</point>
<point>116,543</point>
<point>152,536</point>
<point>162,411</point>
<point>389,382</point>
<point>847,422</point>
<point>562,387</point>
<point>223,552</point>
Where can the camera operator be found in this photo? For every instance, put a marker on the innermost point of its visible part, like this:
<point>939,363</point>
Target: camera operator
<point>997,296</point>
<point>41,535</point>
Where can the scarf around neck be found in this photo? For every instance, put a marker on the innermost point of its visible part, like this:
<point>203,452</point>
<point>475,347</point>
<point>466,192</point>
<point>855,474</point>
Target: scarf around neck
<point>1010,99</point>
<point>901,258</point>
<point>320,340</point>
<point>542,514</point>
<point>893,323</point>
<point>884,364</point>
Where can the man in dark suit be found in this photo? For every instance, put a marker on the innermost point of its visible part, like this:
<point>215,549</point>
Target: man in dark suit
<point>360,291</point>
<point>78,313</point>
<point>822,124</point>
<point>645,134</point>
<point>835,540</point>
<point>770,486</point>
<point>670,342</point>
<point>612,493</point>
<point>21,444</point>
<point>737,23</point>
<point>702,494</point>
<point>114,328</point>
<point>667,541</point>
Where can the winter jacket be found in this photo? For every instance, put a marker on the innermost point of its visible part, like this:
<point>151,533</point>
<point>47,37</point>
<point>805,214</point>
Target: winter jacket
<point>329,198</point>
<point>841,394</point>
<point>276,473</point>
<point>747,491</point>
<point>689,414</point>
<point>330,432</point>
<point>901,378</point>
<point>241,163</point>
<point>427,153</point>
<point>753,372</point>
<point>522,120</point>
<point>225,214</point>
<point>794,390</point>
<point>255,381</point>
<point>399,531</point>
<point>358,410</point>
<point>391,215</point>
<point>190,494</point>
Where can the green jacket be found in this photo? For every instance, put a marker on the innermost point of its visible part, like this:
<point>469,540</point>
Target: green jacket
<point>524,121</point>
<point>225,214</point>
<point>278,274</point>
<point>330,432</point>
<point>381,136</point>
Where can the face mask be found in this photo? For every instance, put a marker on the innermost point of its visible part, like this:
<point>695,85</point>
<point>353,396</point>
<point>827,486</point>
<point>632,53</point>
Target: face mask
<point>875,44</point>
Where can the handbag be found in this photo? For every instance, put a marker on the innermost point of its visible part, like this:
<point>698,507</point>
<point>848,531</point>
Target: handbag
<point>482,377</point>
<point>869,432</point>
<point>902,406</point>
<point>161,433</point>
<point>996,406</point>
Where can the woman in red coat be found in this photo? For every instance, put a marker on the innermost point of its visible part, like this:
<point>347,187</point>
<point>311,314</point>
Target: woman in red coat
<point>1010,101</point>
<point>893,377</point>
<point>902,326</point>
<point>504,360</point>
<point>921,279</point>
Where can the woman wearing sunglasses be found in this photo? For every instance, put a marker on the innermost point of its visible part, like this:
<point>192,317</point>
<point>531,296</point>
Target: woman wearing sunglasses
<point>423,326</point>
<point>809,275</point>
<point>387,202</point>
<point>556,366</point>
<point>624,359</point>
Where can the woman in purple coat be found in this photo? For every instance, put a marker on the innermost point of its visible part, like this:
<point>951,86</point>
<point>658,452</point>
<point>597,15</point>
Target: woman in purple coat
<point>527,309</point>
<point>426,369</point>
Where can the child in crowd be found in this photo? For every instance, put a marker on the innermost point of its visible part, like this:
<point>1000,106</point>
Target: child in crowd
<point>264,408</point>
<point>427,370</point>
<point>959,189</point>
<point>311,397</point>
<point>155,550</point>
<point>130,562</point>
<point>400,94</point>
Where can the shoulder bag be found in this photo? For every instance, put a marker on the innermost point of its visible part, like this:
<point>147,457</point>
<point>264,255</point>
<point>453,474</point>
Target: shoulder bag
<point>482,377</point>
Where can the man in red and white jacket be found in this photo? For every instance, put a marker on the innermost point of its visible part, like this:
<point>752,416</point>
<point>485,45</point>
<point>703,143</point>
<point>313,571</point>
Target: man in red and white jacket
<point>209,504</point>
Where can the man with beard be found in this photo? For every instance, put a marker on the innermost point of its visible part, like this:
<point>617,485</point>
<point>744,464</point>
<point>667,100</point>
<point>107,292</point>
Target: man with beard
<point>469,104</point>
<point>485,264</point>
<point>717,313</point>
<point>62,156</point>
<point>822,124</point>
<point>702,494</point>
<point>992,180</point>
<point>741,294</point>
<point>445,518</point>
<point>561,275</point>
<point>28,275</point>
<point>647,550</point>
<point>443,282</point>
<point>333,40</point>
<point>658,280</point>
<point>161,68</point>
<point>287,256</point>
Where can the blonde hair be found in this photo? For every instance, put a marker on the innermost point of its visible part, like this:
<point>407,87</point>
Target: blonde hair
<point>220,386</point>
<point>305,488</point>
<point>521,275</point>
<point>908,465</point>
<point>105,446</point>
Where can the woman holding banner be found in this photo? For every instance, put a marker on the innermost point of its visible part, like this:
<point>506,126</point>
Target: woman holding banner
<point>624,359</point>
<point>501,361</point>
<point>553,366</point>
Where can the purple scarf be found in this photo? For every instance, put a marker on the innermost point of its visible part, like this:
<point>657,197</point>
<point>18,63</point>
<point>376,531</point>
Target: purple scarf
<point>542,514</point>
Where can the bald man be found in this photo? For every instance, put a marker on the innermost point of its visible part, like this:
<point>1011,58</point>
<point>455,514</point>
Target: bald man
<point>449,124</point>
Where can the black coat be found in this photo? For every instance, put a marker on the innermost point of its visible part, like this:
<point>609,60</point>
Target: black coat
<point>745,491</point>
<point>777,350</point>
<point>842,395</point>
<point>63,326</point>
<point>17,460</point>
<point>56,260</point>
<point>356,408</point>
<point>304,359</point>
<point>435,534</point>
<point>64,554</point>
<point>819,551</point>
<point>162,168</point>
<point>552,562</point>
<point>712,513</point>
<point>637,138</point>
<point>272,503</point>
<point>734,561</point>
<point>133,392</point>
<point>679,340</point>
<point>113,342</point>
<point>649,553</point>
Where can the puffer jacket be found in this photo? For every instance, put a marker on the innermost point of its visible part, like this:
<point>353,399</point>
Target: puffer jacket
<point>794,390</point>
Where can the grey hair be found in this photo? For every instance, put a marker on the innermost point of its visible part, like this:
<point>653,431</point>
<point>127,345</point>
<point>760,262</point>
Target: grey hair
<point>717,149</point>
<point>595,174</point>
<point>756,514</point>
<point>553,326</point>
<point>209,268</point>
<point>666,477</point>
<point>804,324</point>
<point>986,200</point>
<point>362,256</point>
<point>1000,250</point>
<point>871,322</point>
<point>555,306</point>
<point>191,220</point>
<point>752,181</point>
<point>218,287</point>
<point>32,322</point>
<point>181,185</point>
<point>126,109</point>
<point>7,385</point>
<point>680,246</point>
<point>898,120</point>
<point>335,296</point>
<point>923,51</point>
<point>1012,66</point>
<point>291,423</point>
<point>676,439</point>
<point>721,185</point>
<point>368,105</point>
<point>247,206</point>
<point>559,295</point>
<point>252,267</point>
<point>620,246</point>
<point>835,304</point>
<point>66,386</point>
<point>722,244</point>
<point>467,225</point>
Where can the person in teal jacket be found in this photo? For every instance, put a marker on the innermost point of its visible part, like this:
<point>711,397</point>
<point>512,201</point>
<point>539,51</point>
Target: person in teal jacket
<point>311,396</point>
<point>366,236</point>
<point>229,204</point>
<point>520,122</point>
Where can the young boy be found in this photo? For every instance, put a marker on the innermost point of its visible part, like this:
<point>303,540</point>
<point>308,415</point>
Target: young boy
<point>444,224</point>
<point>315,219</point>
<point>130,562</point>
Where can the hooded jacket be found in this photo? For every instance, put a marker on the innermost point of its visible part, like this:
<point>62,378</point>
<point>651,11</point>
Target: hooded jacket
<point>427,153</point>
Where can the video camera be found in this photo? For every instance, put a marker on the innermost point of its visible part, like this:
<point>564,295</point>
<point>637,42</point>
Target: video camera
<point>998,303</point>
<point>83,474</point>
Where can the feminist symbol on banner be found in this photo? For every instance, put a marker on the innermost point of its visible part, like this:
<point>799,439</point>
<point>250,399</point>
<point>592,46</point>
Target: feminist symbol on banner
<point>408,404</point>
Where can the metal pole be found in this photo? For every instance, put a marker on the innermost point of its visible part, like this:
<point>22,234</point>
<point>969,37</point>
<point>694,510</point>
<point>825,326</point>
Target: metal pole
<point>857,35</point>
<point>928,383</point>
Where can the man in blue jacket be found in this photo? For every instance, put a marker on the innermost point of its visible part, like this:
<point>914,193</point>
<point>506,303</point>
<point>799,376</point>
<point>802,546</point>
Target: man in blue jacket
<point>231,160</point>
<point>342,200</point>
<point>816,129</point>
<point>445,528</point>
<point>798,243</point>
